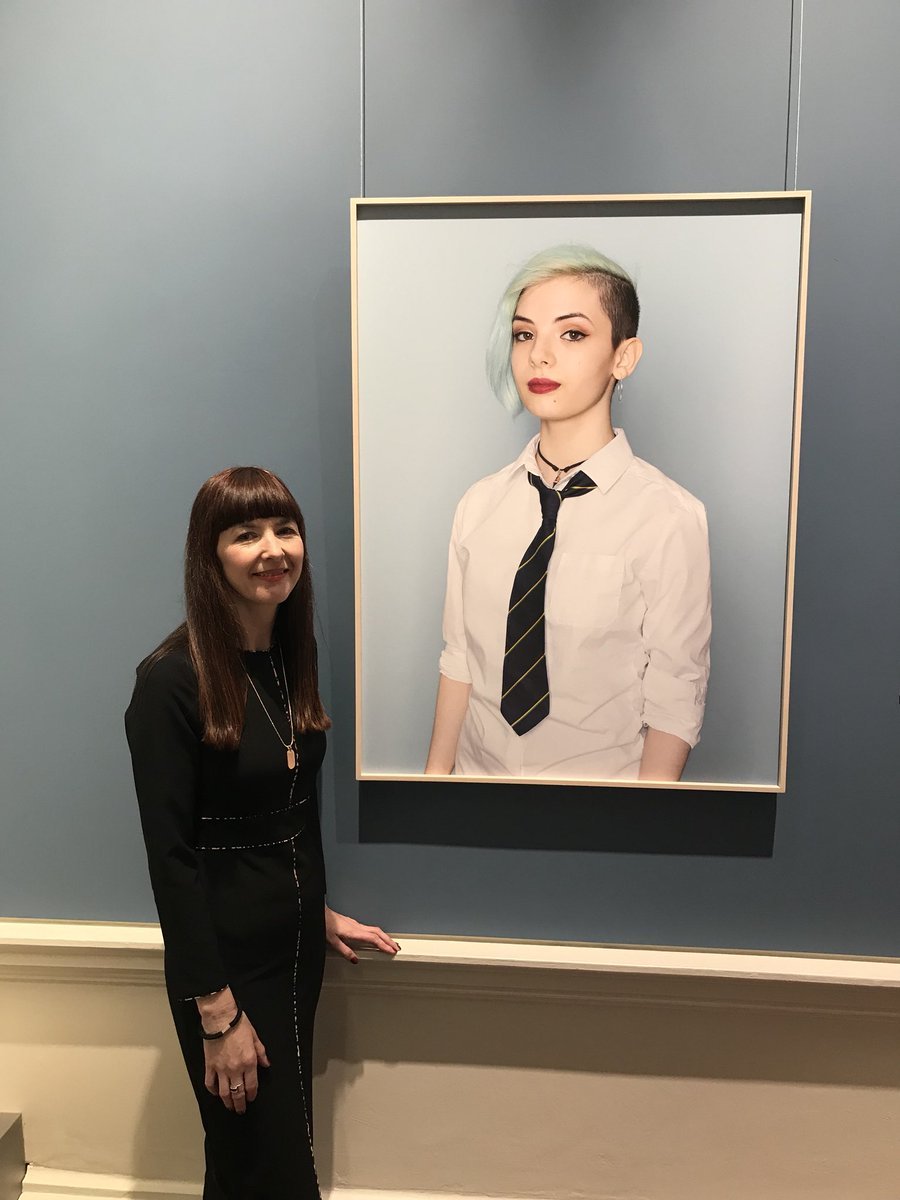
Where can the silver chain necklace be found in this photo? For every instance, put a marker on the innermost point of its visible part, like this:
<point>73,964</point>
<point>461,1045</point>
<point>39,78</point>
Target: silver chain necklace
<point>290,747</point>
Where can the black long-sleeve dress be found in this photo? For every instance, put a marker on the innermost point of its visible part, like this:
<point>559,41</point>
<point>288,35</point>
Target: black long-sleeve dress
<point>235,855</point>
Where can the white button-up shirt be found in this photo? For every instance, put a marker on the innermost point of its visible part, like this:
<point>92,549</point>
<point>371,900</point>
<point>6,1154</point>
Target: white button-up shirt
<point>627,617</point>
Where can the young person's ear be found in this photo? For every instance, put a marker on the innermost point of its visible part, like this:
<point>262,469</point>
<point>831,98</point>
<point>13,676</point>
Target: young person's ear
<point>628,355</point>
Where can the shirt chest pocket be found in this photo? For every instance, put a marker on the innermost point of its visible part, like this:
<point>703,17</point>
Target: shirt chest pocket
<point>584,589</point>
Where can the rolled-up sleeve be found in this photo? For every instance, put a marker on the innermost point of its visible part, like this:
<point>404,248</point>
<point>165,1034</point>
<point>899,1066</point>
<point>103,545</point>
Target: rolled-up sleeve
<point>677,625</point>
<point>165,755</point>
<point>453,661</point>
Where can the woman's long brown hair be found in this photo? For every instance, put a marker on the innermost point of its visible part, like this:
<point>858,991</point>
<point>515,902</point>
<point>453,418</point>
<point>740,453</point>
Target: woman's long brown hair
<point>212,633</point>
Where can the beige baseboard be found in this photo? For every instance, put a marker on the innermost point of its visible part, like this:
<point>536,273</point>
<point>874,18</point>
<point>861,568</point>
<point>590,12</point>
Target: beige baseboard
<point>85,1185</point>
<point>82,1185</point>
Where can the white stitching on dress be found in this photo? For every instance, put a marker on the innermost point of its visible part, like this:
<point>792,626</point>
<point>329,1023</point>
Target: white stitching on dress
<point>204,995</point>
<point>270,812</point>
<point>296,1019</point>
<point>251,845</point>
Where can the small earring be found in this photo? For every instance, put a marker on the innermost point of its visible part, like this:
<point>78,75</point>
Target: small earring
<point>619,388</point>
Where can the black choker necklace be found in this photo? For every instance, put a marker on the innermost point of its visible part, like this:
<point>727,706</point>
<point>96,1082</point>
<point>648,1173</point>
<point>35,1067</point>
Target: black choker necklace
<point>560,471</point>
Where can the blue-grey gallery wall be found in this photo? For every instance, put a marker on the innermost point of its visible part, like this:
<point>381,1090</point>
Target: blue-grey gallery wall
<point>174,249</point>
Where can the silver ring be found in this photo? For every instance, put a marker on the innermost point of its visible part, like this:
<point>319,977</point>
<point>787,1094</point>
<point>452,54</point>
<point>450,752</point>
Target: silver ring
<point>235,1087</point>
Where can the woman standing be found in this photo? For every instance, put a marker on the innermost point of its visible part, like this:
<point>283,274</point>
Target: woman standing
<point>577,613</point>
<point>227,734</point>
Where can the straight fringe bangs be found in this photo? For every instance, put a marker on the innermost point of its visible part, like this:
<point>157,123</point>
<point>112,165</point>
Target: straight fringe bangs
<point>247,494</point>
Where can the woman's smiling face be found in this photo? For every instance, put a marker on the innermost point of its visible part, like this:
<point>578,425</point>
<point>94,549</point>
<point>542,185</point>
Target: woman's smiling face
<point>562,357</point>
<point>261,559</point>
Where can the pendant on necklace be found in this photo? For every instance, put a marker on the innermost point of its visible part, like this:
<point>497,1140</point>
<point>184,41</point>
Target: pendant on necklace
<point>559,476</point>
<point>291,758</point>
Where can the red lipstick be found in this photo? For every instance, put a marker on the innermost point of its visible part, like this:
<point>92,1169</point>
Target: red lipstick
<point>541,386</point>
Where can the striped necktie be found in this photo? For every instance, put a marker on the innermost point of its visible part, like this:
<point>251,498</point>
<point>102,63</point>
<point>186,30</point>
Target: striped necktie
<point>525,700</point>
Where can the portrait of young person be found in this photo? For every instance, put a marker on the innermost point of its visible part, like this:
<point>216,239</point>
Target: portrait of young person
<point>577,617</point>
<point>585,549</point>
<point>227,734</point>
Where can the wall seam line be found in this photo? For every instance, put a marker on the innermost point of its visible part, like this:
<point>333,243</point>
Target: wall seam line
<point>362,97</point>
<point>795,75</point>
<point>799,85</point>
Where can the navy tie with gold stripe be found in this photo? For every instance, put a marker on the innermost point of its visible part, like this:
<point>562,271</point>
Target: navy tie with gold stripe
<point>525,700</point>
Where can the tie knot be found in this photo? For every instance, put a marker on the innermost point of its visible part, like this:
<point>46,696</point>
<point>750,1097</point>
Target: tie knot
<point>551,500</point>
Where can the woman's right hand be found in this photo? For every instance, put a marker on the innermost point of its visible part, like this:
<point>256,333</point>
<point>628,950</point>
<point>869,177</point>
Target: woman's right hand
<point>232,1060</point>
<point>231,1065</point>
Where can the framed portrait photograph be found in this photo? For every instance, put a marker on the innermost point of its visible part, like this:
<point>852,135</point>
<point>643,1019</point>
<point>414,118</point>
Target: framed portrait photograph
<point>576,441</point>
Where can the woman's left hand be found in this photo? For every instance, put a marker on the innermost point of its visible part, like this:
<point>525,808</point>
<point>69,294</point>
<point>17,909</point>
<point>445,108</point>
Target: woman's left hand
<point>341,931</point>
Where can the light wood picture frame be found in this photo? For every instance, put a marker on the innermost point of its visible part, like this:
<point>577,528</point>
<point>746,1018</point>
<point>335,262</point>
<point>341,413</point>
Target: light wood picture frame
<point>715,404</point>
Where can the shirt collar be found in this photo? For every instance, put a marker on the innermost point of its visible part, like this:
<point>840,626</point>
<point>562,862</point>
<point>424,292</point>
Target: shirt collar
<point>605,467</point>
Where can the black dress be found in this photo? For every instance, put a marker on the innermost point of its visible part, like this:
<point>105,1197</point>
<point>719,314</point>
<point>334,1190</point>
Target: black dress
<point>235,855</point>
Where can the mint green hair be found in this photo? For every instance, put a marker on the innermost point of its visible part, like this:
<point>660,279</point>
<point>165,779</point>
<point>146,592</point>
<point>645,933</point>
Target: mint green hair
<point>615,288</point>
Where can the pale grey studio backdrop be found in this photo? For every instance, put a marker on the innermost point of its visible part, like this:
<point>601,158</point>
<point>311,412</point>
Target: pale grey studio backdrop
<point>711,404</point>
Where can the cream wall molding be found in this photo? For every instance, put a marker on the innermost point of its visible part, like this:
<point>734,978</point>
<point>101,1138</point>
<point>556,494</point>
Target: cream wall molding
<point>535,972</point>
<point>562,1069</point>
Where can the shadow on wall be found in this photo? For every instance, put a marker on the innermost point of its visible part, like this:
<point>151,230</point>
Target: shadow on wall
<point>169,1129</point>
<point>334,1042</point>
<point>705,1028</point>
<point>96,1070</point>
